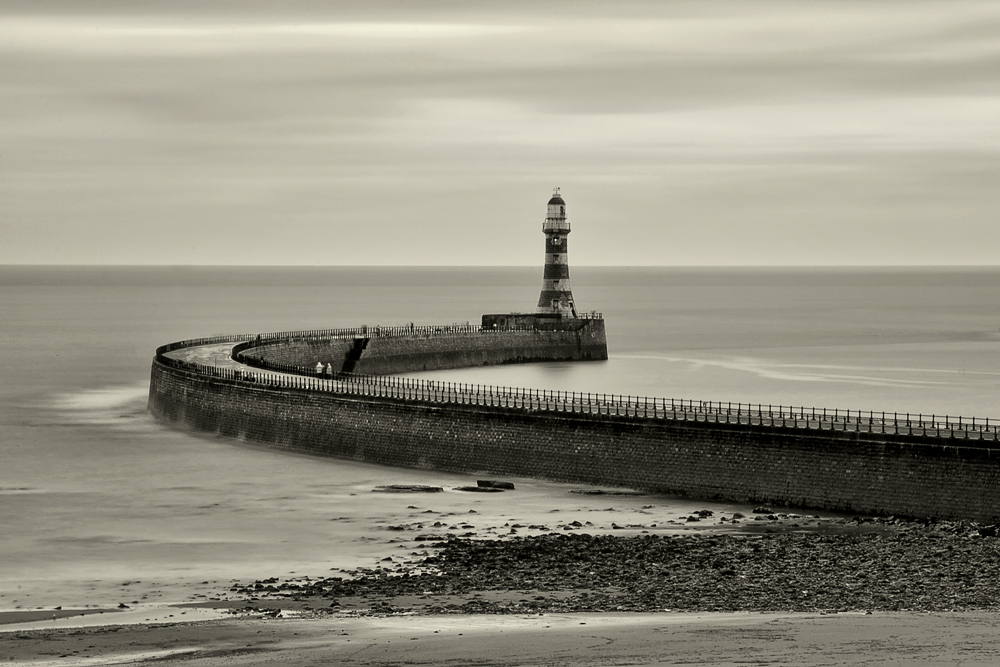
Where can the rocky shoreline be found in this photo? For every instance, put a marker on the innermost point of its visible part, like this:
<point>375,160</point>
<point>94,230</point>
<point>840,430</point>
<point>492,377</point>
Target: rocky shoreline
<point>784,589</point>
<point>861,565</point>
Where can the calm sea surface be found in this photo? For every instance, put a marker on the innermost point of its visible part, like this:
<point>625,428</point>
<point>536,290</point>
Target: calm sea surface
<point>99,504</point>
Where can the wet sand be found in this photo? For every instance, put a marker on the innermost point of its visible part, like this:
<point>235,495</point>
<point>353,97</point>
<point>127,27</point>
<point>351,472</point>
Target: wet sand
<point>965,638</point>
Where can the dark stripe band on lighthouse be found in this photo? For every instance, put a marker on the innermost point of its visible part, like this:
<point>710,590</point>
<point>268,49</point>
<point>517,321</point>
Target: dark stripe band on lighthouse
<point>557,294</point>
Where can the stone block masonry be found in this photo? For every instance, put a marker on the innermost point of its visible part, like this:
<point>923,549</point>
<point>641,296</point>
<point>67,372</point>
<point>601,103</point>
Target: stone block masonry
<point>398,355</point>
<point>372,354</point>
<point>302,351</point>
<point>834,470</point>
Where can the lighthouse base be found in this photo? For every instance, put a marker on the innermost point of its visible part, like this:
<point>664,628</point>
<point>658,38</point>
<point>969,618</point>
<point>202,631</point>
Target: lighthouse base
<point>583,338</point>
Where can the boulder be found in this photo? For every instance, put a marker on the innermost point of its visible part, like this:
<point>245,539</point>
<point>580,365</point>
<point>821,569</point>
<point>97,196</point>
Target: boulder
<point>406,488</point>
<point>493,484</point>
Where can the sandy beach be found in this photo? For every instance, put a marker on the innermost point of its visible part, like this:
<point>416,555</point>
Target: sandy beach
<point>965,638</point>
<point>534,609</point>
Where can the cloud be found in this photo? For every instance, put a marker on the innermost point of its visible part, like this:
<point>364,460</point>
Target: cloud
<point>117,35</point>
<point>760,132</point>
<point>865,125</point>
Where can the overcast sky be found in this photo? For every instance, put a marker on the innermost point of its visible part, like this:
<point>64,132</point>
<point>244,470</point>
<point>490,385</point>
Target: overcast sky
<point>681,133</point>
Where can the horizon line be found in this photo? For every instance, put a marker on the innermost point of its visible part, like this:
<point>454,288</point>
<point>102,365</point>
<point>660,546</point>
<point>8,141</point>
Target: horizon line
<point>506,266</point>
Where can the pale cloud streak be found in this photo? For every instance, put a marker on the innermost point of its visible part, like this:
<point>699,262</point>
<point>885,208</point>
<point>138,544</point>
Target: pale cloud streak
<point>904,124</point>
<point>87,35</point>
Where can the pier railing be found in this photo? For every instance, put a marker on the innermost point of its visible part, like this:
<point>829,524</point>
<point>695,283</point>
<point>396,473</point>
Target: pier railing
<point>617,405</point>
<point>551,225</point>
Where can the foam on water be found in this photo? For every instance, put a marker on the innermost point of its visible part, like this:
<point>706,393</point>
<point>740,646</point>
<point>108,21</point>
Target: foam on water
<point>778,371</point>
<point>113,406</point>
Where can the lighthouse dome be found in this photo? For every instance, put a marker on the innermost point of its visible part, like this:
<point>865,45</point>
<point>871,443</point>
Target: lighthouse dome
<point>556,200</point>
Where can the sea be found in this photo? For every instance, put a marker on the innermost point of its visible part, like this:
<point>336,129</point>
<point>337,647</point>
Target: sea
<point>101,505</point>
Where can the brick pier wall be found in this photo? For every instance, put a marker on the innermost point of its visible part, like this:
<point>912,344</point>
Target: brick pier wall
<point>846,471</point>
<point>383,356</point>
<point>377,355</point>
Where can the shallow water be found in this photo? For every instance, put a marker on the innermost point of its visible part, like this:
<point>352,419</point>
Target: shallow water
<point>94,493</point>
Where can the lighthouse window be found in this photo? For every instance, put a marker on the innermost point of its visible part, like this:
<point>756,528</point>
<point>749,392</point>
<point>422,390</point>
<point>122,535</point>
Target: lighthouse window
<point>556,241</point>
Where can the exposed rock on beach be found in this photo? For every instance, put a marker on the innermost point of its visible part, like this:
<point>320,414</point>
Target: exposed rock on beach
<point>884,565</point>
<point>407,488</point>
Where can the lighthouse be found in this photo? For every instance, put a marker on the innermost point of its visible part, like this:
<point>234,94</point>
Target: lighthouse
<point>580,335</point>
<point>557,294</point>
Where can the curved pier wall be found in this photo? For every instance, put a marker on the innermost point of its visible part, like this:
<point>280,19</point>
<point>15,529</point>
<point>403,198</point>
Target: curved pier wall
<point>375,355</point>
<point>383,356</point>
<point>294,352</point>
<point>833,470</point>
